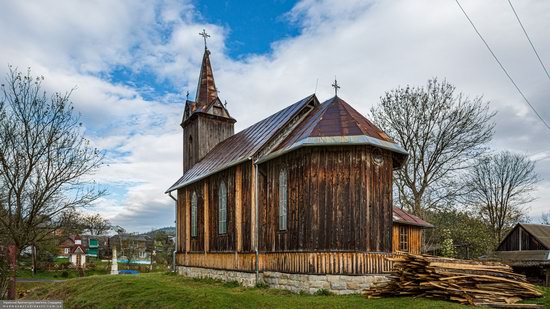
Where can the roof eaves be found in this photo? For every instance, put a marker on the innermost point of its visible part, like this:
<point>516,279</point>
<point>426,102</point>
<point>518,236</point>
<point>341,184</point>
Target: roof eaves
<point>335,141</point>
<point>195,179</point>
<point>427,225</point>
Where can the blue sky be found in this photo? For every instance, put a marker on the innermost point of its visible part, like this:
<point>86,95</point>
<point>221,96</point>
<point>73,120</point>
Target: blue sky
<point>252,25</point>
<point>133,62</point>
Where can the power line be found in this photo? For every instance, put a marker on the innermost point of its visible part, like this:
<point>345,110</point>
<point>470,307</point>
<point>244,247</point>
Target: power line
<point>529,39</point>
<point>502,67</point>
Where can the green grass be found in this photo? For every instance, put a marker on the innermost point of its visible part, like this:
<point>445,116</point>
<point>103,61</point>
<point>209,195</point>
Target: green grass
<point>169,291</point>
<point>163,290</point>
<point>57,274</point>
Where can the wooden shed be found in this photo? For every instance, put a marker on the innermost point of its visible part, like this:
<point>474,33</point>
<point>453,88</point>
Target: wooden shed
<point>307,190</point>
<point>527,249</point>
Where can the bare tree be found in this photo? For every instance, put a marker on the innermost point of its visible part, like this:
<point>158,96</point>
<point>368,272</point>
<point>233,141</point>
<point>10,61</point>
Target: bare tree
<point>95,224</point>
<point>545,218</point>
<point>44,160</point>
<point>442,130</point>
<point>499,186</point>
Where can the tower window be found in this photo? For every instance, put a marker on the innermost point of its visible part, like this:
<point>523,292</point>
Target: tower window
<point>222,208</point>
<point>194,229</point>
<point>283,200</point>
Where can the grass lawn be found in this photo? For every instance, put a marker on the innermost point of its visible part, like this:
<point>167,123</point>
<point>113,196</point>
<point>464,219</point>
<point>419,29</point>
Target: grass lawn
<point>57,274</point>
<point>160,290</point>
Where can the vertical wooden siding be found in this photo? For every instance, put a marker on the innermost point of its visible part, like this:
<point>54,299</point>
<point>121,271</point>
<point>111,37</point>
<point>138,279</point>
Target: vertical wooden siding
<point>337,200</point>
<point>344,263</point>
<point>414,238</point>
<point>206,132</point>
<point>216,242</point>
<point>226,241</point>
<point>513,240</point>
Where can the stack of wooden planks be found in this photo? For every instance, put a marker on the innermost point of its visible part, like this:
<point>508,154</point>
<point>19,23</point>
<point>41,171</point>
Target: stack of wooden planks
<point>465,281</point>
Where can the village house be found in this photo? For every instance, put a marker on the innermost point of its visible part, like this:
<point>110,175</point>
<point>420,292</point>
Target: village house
<point>300,200</point>
<point>133,248</point>
<point>74,250</point>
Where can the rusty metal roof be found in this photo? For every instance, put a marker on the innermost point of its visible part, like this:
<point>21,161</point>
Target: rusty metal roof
<point>206,89</point>
<point>241,146</point>
<point>403,217</point>
<point>335,122</point>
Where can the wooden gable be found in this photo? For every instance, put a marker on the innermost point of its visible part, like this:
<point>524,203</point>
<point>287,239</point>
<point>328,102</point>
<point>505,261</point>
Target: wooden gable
<point>521,238</point>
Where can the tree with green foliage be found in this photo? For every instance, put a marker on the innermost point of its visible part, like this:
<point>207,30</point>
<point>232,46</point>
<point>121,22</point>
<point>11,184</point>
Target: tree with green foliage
<point>468,231</point>
<point>447,245</point>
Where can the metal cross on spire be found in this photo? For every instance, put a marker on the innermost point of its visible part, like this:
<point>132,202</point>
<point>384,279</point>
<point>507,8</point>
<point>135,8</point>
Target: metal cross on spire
<point>336,87</point>
<point>204,35</point>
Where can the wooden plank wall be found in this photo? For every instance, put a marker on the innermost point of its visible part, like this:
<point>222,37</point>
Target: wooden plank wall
<point>216,242</point>
<point>247,245</point>
<point>337,200</point>
<point>227,241</point>
<point>212,130</point>
<point>343,263</point>
<point>513,239</point>
<point>206,132</point>
<point>197,243</point>
<point>415,238</point>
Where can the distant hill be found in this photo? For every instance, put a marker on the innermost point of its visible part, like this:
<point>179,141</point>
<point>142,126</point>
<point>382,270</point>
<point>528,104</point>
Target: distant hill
<point>170,230</point>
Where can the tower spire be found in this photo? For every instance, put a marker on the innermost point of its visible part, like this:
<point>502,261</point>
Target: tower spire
<point>206,89</point>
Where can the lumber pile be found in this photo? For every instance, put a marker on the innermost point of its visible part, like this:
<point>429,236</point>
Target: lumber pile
<point>464,281</point>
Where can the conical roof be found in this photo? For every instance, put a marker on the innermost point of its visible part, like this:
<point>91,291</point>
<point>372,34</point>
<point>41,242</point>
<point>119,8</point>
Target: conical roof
<point>335,122</point>
<point>206,89</point>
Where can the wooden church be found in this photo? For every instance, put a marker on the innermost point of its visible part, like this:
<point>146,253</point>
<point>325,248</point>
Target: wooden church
<point>307,190</point>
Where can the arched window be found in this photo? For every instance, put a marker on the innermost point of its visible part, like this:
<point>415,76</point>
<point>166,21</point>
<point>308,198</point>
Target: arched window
<point>194,229</point>
<point>283,199</point>
<point>222,208</point>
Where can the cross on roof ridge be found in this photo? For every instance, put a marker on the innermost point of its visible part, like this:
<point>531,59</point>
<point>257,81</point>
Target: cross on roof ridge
<point>336,87</point>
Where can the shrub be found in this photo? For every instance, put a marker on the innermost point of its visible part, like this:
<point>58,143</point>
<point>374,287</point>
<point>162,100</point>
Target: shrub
<point>65,274</point>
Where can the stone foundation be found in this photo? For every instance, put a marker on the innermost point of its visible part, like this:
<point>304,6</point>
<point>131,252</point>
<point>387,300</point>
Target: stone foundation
<point>243,278</point>
<point>337,284</point>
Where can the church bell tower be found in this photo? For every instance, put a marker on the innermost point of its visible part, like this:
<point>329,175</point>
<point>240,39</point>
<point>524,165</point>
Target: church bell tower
<point>206,121</point>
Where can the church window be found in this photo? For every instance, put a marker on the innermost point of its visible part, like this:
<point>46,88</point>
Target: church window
<point>194,230</point>
<point>222,208</point>
<point>283,200</point>
<point>377,157</point>
<point>403,238</point>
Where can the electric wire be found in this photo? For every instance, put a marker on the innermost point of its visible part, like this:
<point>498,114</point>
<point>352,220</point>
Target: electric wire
<point>502,67</point>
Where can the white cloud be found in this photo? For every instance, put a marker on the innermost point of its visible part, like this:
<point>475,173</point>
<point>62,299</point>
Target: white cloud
<point>371,46</point>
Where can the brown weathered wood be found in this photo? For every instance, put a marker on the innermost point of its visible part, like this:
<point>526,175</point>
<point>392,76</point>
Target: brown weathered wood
<point>294,262</point>
<point>238,207</point>
<point>187,221</point>
<point>334,201</point>
<point>253,214</point>
<point>206,218</point>
<point>469,282</point>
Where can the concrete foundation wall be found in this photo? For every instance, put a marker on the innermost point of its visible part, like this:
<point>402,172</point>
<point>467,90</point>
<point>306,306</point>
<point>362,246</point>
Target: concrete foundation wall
<point>338,284</point>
